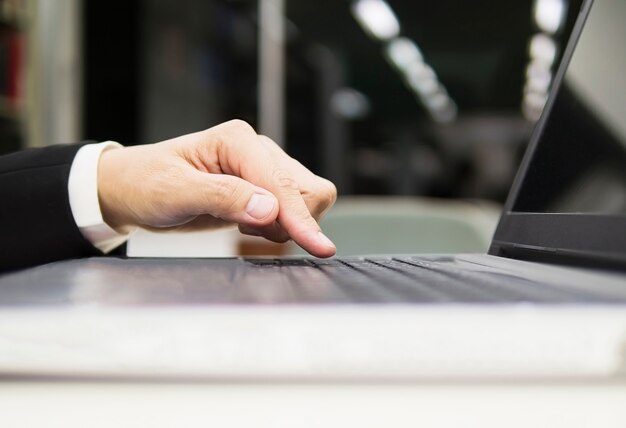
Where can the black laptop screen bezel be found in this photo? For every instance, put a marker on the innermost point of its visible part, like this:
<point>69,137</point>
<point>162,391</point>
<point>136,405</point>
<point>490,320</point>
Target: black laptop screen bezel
<point>579,238</point>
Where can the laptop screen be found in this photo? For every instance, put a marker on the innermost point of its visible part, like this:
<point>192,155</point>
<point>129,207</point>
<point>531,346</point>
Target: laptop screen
<point>570,196</point>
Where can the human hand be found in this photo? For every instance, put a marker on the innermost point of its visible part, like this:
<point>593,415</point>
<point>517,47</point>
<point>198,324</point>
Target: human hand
<point>227,174</point>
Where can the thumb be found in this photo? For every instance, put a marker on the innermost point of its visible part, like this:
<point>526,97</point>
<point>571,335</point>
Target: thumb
<point>233,200</point>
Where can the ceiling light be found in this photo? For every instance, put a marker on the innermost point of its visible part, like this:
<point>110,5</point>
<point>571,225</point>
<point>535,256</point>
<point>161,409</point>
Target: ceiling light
<point>403,52</point>
<point>535,100</point>
<point>436,101</point>
<point>549,15</point>
<point>422,79</point>
<point>539,83</point>
<point>377,18</point>
<point>537,69</point>
<point>419,70</point>
<point>543,48</point>
<point>350,104</point>
<point>446,114</point>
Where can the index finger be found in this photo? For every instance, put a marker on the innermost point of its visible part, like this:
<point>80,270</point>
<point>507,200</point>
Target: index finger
<point>243,154</point>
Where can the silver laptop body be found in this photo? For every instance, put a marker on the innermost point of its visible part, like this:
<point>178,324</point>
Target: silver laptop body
<point>548,301</point>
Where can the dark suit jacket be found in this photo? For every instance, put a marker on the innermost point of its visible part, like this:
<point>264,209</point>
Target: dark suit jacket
<point>36,222</point>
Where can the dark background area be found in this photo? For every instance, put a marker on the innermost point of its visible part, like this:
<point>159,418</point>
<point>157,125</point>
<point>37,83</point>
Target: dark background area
<point>156,69</point>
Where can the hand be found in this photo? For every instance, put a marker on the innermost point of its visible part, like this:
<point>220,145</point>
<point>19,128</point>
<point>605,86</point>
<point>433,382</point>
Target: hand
<point>223,175</point>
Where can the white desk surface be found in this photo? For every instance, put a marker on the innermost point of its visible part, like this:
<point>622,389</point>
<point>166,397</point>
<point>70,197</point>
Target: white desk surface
<point>114,404</point>
<point>102,338</point>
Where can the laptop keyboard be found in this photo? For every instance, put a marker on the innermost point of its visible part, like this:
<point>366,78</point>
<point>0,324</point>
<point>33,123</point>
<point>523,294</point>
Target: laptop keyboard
<point>301,281</point>
<point>399,280</point>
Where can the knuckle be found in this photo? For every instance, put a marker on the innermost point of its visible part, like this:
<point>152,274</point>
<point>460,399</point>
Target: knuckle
<point>240,125</point>
<point>268,142</point>
<point>323,198</point>
<point>220,192</point>
<point>225,195</point>
<point>285,180</point>
<point>329,193</point>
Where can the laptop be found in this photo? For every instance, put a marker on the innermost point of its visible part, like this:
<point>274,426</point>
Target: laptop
<point>547,301</point>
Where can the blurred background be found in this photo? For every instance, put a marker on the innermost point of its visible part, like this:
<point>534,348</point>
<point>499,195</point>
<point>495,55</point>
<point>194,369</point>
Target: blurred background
<point>422,107</point>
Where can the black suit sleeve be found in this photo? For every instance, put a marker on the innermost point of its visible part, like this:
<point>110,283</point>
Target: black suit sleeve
<point>36,222</point>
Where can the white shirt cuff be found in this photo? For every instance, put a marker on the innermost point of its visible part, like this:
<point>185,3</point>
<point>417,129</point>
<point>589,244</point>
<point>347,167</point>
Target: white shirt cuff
<point>83,195</point>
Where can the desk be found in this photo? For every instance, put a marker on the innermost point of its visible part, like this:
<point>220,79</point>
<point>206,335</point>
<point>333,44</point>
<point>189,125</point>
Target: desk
<point>118,404</point>
<point>83,307</point>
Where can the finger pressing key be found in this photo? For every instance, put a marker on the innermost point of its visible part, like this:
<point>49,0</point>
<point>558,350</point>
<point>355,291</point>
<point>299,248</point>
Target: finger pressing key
<point>246,156</point>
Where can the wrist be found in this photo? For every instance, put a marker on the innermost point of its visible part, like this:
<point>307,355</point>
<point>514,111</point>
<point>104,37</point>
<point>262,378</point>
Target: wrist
<point>111,190</point>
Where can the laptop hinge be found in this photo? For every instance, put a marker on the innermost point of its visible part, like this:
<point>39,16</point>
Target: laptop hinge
<point>556,256</point>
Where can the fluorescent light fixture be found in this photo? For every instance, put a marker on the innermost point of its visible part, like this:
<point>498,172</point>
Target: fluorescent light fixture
<point>403,52</point>
<point>549,15</point>
<point>535,100</point>
<point>539,82</point>
<point>420,70</point>
<point>377,18</point>
<point>424,87</point>
<point>437,101</point>
<point>350,104</point>
<point>537,70</point>
<point>530,113</point>
<point>543,48</point>
<point>533,104</point>
<point>446,114</point>
<point>422,79</point>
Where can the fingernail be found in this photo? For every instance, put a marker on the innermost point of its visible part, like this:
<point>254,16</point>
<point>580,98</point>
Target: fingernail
<point>260,206</point>
<point>325,241</point>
